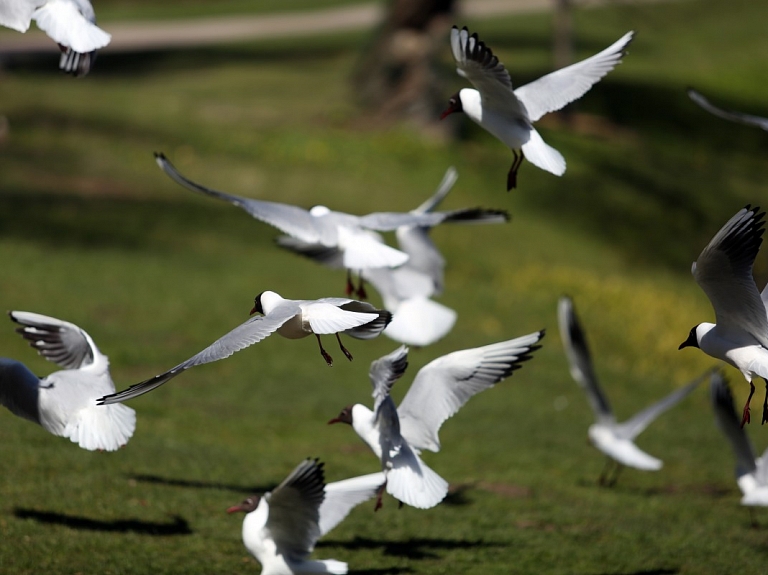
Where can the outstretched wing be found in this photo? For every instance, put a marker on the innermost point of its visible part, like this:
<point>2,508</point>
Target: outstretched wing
<point>731,115</point>
<point>58,341</point>
<point>444,385</point>
<point>555,90</point>
<point>342,496</point>
<point>385,371</point>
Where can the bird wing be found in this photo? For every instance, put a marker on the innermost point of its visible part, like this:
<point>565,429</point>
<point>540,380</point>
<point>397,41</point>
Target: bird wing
<point>18,15</point>
<point>330,256</point>
<point>246,334</point>
<point>731,115</point>
<point>445,186</point>
<point>419,321</point>
<point>384,372</point>
<point>326,317</point>
<point>580,361</point>
<point>294,509</point>
<point>390,221</point>
<point>292,220</point>
<point>638,422</point>
<point>555,90</point>
<point>476,63</point>
<point>342,496</point>
<point>445,384</point>
<point>730,424</point>
<point>724,271</point>
<point>361,250</point>
<point>67,25</point>
<point>58,341</point>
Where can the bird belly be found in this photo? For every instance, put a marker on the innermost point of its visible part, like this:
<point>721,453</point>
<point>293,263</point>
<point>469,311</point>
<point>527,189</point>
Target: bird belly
<point>295,328</point>
<point>513,131</point>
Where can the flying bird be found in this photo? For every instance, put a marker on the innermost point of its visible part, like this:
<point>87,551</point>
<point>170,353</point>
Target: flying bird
<point>724,271</point>
<point>509,113</point>
<point>70,23</point>
<point>64,402</point>
<point>407,290</point>
<point>292,319</point>
<point>398,434</point>
<point>732,115</point>
<point>351,235</point>
<point>616,440</point>
<point>751,472</point>
<point>281,527</point>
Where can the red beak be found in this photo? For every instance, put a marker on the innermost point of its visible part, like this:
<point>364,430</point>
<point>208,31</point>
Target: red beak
<point>446,112</point>
<point>334,420</point>
<point>234,509</point>
<point>253,311</point>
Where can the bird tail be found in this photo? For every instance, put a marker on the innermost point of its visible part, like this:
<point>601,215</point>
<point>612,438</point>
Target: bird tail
<point>321,566</point>
<point>542,155</point>
<point>102,427</point>
<point>420,321</point>
<point>418,487</point>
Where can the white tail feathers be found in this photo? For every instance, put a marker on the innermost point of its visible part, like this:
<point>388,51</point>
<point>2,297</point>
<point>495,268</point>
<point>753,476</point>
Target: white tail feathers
<point>542,155</point>
<point>102,427</point>
<point>420,321</point>
<point>422,488</point>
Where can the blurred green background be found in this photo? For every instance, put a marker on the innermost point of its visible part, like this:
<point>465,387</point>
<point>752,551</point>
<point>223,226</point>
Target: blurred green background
<point>92,232</point>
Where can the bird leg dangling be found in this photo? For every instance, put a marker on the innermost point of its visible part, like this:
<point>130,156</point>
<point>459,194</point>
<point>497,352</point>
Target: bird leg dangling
<point>765,403</point>
<point>605,479</point>
<point>512,175</point>
<point>344,349</point>
<point>379,495</point>
<point>361,293</point>
<point>745,414</point>
<point>326,356</point>
<point>349,290</point>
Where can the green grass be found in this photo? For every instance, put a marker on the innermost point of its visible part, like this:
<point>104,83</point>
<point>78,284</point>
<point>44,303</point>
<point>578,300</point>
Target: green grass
<point>92,232</point>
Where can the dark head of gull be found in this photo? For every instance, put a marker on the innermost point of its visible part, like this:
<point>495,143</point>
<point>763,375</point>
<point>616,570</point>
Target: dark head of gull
<point>246,506</point>
<point>454,105</point>
<point>344,417</point>
<point>257,307</point>
<point>692,340</point>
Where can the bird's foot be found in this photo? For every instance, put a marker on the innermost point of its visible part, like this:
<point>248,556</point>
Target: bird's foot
<point>343,349</point>
<point>361,293</point>
<point>326,356</point>
<point>379,495</point>
<point>765,405</point>
<point>745,416</point>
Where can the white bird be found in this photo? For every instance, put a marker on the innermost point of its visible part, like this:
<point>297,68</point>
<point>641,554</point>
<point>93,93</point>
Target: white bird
<point>724,271</point>
<point>407,290</point>
<point>731,115</point>
<point>71,23</point>
<point>398,434</point>
<point>281,527</point>
<point>509,114</point>
<point>751,473</point>
<point>616,440</point>
<point>64,402</point>
<point>292,319</point>
<point>350,234</point>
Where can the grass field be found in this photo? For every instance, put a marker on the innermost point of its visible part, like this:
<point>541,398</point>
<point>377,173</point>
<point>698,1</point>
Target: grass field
<point>92,232</point>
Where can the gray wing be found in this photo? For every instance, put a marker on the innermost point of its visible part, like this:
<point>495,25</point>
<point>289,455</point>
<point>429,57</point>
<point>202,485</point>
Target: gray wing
<point>294,509</point>
<point>638,422</point>
<point>390,221</point>
<point>444,385</point>
<point>329,256</point>
<point>449,179</point>
<point>731,115</point>
<point>385,371</point>
<point>730,424</point>
<point>580,361</point>
<point>555,90</point>
<point>252,331</point>
<point>292,220</point>
<point>58,341</point>
<point>342,496</point>
<point>724,271</point>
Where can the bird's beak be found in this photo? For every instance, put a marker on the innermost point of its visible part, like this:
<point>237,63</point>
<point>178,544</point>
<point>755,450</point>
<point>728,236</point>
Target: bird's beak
<point>253,311</point>
<point>235,509</point>
<point>684,344</point>
<point>447,112</point>
<point>334,420</point>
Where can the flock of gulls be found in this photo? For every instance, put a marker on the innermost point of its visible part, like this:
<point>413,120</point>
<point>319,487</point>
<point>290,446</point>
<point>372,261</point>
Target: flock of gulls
<point>281,527</point>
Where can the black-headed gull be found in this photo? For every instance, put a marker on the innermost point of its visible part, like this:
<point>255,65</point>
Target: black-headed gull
<point>407,290</point>
<point>731,115</point>
<point>350,234</point>
<point>724,271</point>
<point>509,114</point>
<point>292,319</point>
<point>614,439</point>
<point>398,434</point>
<point>281,527</point>
<point>71,23</point>
<point>64,402</point>
<point>751,473</point>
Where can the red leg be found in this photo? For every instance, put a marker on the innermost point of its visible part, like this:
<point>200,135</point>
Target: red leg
<point>341,345</point>
<point>361,293</point>
<point>328,359</point>
<point>350,286</point>
<point>379,495</point>
<point>745,413</point>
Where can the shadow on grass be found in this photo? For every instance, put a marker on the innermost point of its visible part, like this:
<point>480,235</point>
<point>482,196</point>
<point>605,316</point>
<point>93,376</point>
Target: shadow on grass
<point>179,525</point>
<point>644,572</point>
<point>416,548</point>
<point>389,571</point>
<point>245,490</point>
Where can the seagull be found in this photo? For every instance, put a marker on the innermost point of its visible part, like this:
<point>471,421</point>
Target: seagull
<point>292,319</point>
<point>350,234</point>
<point>509,114</point>
<point>64,402</point>
<point>614,439</point>
<point>724,272</point>
<point>407,290</point>
<point>398,434</point>
<point>281,527</point>
<point>71,23</point>
<point>731,115</point>
<point>751,473</point>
